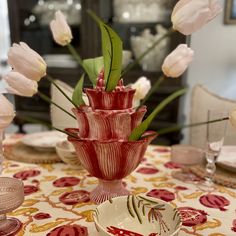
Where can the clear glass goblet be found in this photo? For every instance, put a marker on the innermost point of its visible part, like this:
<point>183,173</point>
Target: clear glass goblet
<point>215,139</point>
<point>11,197</point>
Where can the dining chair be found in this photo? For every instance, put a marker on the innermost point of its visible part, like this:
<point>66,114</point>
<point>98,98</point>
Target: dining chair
<point>59,118</point>
<point>202,100</point>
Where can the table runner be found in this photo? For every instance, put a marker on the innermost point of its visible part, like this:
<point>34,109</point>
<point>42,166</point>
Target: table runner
<point>57,197</point>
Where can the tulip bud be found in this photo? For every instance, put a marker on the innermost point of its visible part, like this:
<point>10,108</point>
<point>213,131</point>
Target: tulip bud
<point>232,118</point>
<point>189,16</point>
<point>142,86</point>
<point>6,112</point>
<point>20,85</point>
<point>26,61</point>
<point>60,29</point>
<point>177,61</point>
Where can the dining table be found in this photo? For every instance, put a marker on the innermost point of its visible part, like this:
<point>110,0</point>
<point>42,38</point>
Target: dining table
<point>57,196</point>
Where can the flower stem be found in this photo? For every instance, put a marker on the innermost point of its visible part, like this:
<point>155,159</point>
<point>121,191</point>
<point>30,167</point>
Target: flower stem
<point>179,127</point>
<point>48,100</point>
<point>76,55</point>
<point>135,62</point>
<point>153,89</point>
<point>51,80</point>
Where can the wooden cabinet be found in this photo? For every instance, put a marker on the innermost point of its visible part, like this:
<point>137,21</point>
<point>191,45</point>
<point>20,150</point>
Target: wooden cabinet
<point>87,40</point>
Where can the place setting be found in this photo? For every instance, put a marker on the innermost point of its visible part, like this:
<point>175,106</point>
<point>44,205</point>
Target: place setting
<point>113,155</point>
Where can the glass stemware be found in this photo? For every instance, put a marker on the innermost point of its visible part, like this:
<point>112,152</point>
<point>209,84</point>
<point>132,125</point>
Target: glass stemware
<point>215,140</point>
<point>11,197</point>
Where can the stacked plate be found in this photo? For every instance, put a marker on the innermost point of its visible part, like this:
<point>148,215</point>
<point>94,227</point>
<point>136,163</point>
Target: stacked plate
<point>44,141</point>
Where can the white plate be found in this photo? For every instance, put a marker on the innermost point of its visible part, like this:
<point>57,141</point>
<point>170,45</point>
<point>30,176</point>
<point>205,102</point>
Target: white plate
<point>43,140</point>
<point>227,158</point>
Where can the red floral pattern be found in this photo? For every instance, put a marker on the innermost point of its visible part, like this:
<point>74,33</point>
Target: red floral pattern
<point>69,230</point>
<point>29,189</point>
<point>24,175</point>
<point>162,194</point>
<point>214,201</point>
<point>66,182</point>
<point>42,199</point>
<point>147,170</point>
<point>172,165</point>
<point>233,228</point>
<point>191,216</point>
<point>181,188</point>
<point>41,216</point>
<point>121,232</point>
<point>74,197</point>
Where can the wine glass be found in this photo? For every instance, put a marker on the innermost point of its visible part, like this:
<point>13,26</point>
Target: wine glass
<point>11,197</point>
<point>215,140</point>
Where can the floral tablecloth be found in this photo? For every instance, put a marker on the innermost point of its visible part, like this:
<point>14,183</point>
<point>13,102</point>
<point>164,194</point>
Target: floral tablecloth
<point>57,197</point>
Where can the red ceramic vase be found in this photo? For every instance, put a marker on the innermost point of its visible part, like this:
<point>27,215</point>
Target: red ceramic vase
<point>101,142</point>
<point>109,161</point>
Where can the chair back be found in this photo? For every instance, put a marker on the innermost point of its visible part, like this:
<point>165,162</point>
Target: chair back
<point>201,101</point>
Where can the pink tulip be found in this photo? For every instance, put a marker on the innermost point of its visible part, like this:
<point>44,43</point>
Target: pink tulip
<point>26,61</point>
<point>60,29</point>
<point>189,16</point>
<point>177,61</point>
<point>6,112</point>
<point>18,84</point>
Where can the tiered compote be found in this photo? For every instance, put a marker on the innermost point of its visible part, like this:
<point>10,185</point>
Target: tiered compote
<point>103,131</point>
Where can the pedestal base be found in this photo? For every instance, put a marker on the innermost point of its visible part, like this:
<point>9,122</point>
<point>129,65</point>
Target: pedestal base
<point>9,226</point>
<point>108,189</point>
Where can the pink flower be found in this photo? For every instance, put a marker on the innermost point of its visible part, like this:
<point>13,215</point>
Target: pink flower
<point>177,61</point>
<point>26,61</point>
<point>60,29</point>
<point>189,16</point>
<point>20,85</point>
<point>6,112</point>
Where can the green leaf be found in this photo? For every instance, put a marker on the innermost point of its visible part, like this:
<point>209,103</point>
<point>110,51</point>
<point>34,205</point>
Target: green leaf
<point>78,91</point>
<point>112,53</point>
<point>93,67</point>
<point>139,130</point>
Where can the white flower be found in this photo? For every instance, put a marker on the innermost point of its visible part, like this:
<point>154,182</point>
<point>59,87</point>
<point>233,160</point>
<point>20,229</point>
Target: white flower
<point>6,112</point>
<point>60,29</point>
<point>20,85</point>
<point>142,86</point>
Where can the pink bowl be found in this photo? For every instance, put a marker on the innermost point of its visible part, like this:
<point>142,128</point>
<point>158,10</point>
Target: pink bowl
<point>186,154</point>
